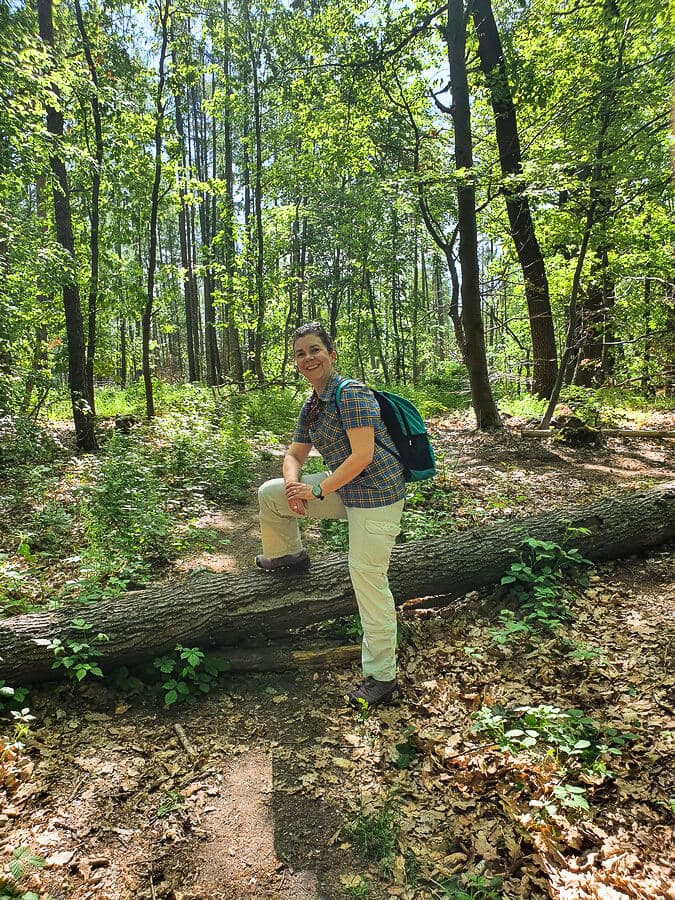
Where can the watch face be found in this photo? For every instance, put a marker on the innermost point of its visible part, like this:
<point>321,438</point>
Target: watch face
<point>316,490</point>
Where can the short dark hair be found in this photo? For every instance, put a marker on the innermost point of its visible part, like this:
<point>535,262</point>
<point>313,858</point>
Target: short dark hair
<point>317,329</point>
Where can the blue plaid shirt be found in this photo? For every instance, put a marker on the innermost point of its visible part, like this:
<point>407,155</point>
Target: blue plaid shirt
<point>324,426</point>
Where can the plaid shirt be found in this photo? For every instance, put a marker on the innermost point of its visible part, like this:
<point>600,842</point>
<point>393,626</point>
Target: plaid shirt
<point>324,426</point>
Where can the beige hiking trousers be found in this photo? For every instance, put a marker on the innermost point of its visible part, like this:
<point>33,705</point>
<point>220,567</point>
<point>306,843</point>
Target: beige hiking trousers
<point>372,533</point>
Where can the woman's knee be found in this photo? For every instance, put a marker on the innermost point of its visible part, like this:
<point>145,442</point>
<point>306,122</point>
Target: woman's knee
<point>271,492</point>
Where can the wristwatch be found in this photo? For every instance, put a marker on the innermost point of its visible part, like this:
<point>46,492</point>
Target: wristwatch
<point>317,492</point>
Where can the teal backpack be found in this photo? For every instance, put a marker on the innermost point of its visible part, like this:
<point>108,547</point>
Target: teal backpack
<point>406,429</point>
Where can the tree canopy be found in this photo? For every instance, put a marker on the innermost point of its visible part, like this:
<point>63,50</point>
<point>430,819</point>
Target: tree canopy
<point>231,170</point>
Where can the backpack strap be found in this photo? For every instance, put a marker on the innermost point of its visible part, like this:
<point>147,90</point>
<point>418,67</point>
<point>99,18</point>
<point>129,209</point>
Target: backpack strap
<point>338,390</point>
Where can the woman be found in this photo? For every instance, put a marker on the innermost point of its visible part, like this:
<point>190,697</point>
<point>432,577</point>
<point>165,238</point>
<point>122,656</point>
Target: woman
<point>364,485</point>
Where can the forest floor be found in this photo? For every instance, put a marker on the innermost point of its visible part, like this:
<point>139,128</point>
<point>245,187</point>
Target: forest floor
<point>270,787</point>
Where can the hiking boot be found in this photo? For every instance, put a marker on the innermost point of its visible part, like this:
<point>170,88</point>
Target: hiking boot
<point>290,561</point>
<point>372,692</point>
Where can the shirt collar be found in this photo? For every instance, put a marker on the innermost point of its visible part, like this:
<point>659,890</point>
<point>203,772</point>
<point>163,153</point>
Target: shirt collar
<point>331,386</point>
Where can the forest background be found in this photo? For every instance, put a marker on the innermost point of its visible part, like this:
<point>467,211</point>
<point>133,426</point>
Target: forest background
<point>444,186</point>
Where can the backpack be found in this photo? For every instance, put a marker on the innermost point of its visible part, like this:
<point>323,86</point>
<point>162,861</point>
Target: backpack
<point>406,429</point>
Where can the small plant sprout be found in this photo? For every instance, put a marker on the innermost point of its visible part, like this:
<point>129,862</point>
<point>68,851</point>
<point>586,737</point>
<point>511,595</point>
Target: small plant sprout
<point>18,868</point>
<point>186,671</point>
<point>77,655</point>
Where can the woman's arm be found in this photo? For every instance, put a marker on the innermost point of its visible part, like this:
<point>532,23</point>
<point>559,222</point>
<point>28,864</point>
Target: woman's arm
<point>362,443</point>
<point>294,460</point>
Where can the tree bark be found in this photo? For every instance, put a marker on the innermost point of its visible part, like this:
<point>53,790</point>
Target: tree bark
<point>77,381</point>
<point>485,408</point>
<point>183,237</point>
<point>160,104</point>
<point>214,610</point>
<point>254,59</point>
<point>95,209</point>
<point>517,205</point>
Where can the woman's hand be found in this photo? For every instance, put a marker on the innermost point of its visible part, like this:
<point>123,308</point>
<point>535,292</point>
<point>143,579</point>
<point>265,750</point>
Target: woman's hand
<point>299,507</point>
<point>297,494</point>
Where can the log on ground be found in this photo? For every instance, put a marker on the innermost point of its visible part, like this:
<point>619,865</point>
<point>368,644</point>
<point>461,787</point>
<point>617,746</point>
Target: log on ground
<point>209,609</point>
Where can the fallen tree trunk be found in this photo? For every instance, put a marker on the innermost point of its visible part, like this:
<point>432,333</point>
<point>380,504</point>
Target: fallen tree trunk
<point>209,609</point>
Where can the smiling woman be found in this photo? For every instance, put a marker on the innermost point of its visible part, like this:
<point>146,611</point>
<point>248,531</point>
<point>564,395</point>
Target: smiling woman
<point>363,484</point>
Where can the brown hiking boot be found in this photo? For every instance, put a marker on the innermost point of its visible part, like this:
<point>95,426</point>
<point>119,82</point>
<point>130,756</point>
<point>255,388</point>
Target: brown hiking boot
<point>290,561</point>
<point>372,692</point>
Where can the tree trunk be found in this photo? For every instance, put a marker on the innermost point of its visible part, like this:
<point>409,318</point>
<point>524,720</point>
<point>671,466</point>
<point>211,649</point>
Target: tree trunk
<point>207,609</point>
<point>77,380</point>
<point>485,408</point>
<point>95,210</point>
<point>254,58</point>
<point>40,356</point>
<point>183,237</point>
<point>517,205</point>
<point>154,213</point>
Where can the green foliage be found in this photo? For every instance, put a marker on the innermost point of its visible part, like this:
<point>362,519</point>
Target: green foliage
<point>536,580</point>
<point>571,738</point>
<point>19,866</point>
<point>11,697</point>
<point>12,598</point>
<point>172,802</point>
<point>334,534</point>
<point>429,510</point>
<point>526,406</point>
<point>268,414</point>
<point>205,463</point>
<point>375,833</point>
<point>470,886</point>
<point>128,526</point>
<point>407,749</point>
<point>596,408</point>
<point>436,394</point>
<point>20,719</point>
<point>543,728</point>
<point>23,443</point>
<point>77,655</point>
<point>185,672</point>
<point>50,528</point>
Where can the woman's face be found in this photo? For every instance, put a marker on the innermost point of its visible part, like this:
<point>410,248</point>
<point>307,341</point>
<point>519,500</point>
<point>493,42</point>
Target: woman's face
<point>313,359</point>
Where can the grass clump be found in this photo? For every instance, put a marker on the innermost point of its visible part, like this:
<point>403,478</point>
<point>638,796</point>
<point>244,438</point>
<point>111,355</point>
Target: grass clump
<point>375,833</point>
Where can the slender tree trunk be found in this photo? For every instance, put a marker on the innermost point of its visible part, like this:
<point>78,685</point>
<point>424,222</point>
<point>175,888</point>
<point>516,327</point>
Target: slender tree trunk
<point>236,361</point>
<point>647,317</point>
<point>485,408</point>
<point>185,258</point>
<point>160,104</point>
<point>77,378</point>
<point>368,287</point>
<point>254,58</point>
<point>517,204</point>
<point>95,208</point>
<point>211,362</point>
<point>415,309</point>
<point>123,352</point>
<point>40,351</point>
<point>334,303</point>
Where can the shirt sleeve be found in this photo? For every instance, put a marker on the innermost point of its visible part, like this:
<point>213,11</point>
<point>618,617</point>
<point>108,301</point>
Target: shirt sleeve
<point>358,407</point>
<point>301,433</point>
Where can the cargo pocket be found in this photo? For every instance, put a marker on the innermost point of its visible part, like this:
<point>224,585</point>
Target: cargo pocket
<point>375,526</point>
